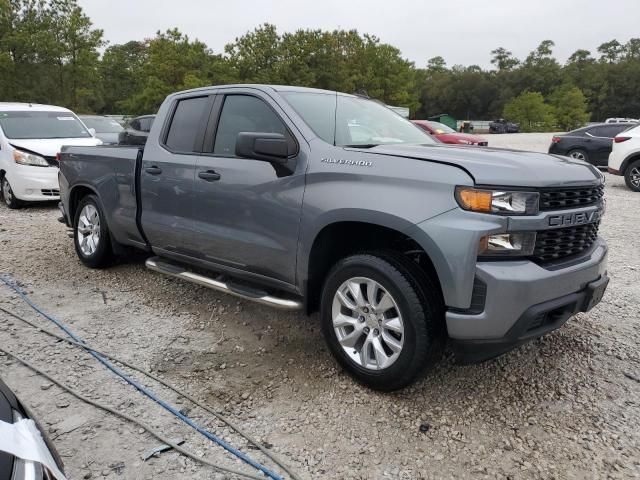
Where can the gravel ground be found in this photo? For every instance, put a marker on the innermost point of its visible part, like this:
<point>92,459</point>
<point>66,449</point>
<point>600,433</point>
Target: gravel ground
<point>563,406</point>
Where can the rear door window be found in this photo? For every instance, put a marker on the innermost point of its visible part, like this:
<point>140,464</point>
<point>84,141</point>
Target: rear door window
<point>245,113</point>
<point>188,119</point>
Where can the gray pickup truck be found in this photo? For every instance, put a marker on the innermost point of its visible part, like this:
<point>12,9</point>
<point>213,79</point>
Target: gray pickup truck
<point>310,199</point>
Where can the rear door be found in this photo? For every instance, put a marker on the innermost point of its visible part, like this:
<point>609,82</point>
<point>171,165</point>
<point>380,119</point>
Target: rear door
<point>167,176</point>
<point>248,211</point>
<point>601,142</point>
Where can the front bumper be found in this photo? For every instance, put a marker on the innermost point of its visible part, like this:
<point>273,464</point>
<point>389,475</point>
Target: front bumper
<point>524,300</point>
<point>34,183</point>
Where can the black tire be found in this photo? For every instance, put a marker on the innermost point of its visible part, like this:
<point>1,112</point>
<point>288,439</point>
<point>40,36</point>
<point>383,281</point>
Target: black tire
<point>8,197</point>
<point>102,256</point>
<point>632,176</point>
<point>419,303</point>
<point>578,154</point>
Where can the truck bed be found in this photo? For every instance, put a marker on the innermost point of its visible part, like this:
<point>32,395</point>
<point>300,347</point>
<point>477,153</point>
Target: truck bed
<point>112,172</point>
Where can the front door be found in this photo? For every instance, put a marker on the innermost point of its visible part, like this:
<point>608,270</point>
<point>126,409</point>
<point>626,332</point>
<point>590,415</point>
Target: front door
<point>248,211</point>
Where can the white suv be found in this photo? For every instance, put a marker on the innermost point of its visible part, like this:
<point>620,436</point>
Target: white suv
<point>30,137</point>
<point>625,157</point>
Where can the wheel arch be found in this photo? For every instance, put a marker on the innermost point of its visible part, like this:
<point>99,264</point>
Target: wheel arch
<point>628,161</point>
<point>77,193</point>
<point>342,237</point>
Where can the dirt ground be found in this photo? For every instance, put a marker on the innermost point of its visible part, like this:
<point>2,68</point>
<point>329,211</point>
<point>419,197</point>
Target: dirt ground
<point>563,406</point>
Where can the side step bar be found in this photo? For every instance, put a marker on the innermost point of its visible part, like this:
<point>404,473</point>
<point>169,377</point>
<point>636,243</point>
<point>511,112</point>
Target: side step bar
<point>173,270</point>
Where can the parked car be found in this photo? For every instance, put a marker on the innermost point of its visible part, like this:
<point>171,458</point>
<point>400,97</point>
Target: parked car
<point>590,144</point>
<point>104,128</point>
<point>621,120</point>
<point>262,192</point>
<point>12,468</point>
<point>136,131</point>
<point>502,126</point>
<point>625,157</point>
<point>448,135</point>
<point>30,137</point>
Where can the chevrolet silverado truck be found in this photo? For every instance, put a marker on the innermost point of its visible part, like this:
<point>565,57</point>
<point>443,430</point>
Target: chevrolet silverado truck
<point>310,199</point>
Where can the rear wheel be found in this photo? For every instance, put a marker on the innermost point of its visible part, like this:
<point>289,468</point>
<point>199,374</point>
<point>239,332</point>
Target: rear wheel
<point>632,176</point>
<point>579,154</point>
<point>380,321</point>
<point>8,196</point>
<point>91,235</point>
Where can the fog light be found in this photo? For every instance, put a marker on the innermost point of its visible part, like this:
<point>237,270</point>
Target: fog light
<point>519,244</point>
<point>29,191</point>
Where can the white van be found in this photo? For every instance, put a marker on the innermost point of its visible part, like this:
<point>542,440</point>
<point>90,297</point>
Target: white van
<point>30,137</point>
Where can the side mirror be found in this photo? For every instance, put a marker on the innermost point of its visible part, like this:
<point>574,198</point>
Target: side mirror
<point>92,131</point>
<point>268,147</point>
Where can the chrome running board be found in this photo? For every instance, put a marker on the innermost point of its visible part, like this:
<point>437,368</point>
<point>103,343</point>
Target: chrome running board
<point>160,265</point>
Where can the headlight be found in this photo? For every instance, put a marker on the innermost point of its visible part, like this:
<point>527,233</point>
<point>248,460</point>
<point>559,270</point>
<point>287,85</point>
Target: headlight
<point>24,469</point>
<point>498,201</point>
<point>24,158</point>
<point>519,244</point>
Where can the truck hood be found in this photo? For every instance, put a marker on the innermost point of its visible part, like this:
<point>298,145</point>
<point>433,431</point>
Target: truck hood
<point>50,146</point>
<point>490,166</point>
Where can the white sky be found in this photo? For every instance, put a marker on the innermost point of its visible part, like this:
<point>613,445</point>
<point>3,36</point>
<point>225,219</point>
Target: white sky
<point>463,31</point>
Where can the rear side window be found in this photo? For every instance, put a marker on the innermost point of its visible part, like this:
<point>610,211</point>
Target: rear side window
<point>144,124</point>
<point>607,131</point>
<point>244,113</point>
<point>187,120</point>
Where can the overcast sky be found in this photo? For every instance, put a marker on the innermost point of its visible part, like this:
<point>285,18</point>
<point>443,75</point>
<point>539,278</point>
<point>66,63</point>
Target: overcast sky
<point>462,31</point>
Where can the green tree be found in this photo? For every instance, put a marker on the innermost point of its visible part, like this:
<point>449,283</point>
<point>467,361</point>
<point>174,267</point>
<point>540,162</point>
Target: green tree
<point>121,73</point>
<point>531,112</point>
<point>503,59</point>
<point>173,62</point>
<point>569,107</point>
<point>611,52</point>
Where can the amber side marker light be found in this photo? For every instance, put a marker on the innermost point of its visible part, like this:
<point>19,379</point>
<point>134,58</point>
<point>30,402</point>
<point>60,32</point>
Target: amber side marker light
<point>475,200</point>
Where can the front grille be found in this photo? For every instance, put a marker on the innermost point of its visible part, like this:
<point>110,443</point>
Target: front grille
<point>564,242</point>
<point>559,199</point>
<point>50,192</point>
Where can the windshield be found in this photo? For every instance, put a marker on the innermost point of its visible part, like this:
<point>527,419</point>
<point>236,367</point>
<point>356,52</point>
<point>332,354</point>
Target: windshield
<point>353,121</point>
<point>440,128</point>
<point>102,124</point>
<point>41,125</point>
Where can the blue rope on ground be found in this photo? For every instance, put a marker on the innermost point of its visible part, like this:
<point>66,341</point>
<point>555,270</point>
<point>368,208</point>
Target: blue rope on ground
<point>234,451</point>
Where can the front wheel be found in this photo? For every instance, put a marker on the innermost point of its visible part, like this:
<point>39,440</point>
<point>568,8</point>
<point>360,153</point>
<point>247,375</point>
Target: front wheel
<point>632,176</point>
<point>380,321</point>
<point>91,235</point>
<point>8,196</point>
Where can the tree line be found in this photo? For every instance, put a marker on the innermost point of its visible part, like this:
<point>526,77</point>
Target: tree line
<point>50,52</point>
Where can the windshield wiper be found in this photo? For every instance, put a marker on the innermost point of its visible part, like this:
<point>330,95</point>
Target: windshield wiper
<point>362,145</point>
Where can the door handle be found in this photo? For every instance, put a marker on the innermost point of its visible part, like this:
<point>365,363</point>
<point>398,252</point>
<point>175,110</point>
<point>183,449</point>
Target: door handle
<point>209,175</point>
<point>153,170</point>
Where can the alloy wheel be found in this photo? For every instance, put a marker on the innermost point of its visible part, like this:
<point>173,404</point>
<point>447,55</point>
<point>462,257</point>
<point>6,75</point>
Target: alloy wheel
<point>634,177</point>
<point>368,323</point>
<point>578,156</point>
<point>88,230</point>
<point>7,193</point>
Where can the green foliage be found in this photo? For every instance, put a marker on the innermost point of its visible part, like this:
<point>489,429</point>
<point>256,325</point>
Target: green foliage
<point>51,53</point>
<point>339,60</point>
<point>569,107</point>
<point>531,112</point>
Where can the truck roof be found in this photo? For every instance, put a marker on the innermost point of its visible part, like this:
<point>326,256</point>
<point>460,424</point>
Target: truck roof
<point>266,87</point>
<point>18,107</point>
